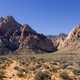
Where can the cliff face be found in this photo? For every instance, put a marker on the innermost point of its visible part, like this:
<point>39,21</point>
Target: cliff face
<point>14,35</point>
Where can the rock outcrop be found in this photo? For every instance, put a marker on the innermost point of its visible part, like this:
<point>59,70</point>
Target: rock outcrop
<point>73,38</point>
<point>14,35</point>
<point>32,40</point>
<point>58,40</point>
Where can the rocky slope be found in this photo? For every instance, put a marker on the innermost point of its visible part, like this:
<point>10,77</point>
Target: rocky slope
<point>70,41</point>
<point>58,39</point>
<point>73,38</point>
<point>14,35</point>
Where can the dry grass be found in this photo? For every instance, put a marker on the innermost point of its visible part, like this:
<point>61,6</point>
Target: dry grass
<point>61,65</point>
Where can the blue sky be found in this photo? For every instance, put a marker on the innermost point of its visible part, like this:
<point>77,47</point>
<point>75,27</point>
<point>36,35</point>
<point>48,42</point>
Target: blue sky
<point>45,16</point>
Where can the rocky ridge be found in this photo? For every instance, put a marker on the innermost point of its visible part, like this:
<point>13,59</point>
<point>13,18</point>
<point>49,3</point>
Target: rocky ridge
<point>14,35</point>
<point>70,41</point>
<point>73,38</point>
<point>58,40</point>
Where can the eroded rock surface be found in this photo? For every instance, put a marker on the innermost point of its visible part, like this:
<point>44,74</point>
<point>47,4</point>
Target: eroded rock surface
<point>14,35</point>
<point>73,38</point>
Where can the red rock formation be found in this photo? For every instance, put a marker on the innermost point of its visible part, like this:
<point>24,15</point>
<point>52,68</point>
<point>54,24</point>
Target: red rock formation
<point>73,39</point>
<point>35,41</point>
<point>58,40</point>
<point>15,35</point>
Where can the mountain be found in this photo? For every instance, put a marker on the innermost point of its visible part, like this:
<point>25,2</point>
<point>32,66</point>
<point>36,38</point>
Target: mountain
<point>70,41</point>
<point>14,36</point>
<point>73,38</point>
<point>57,39</point>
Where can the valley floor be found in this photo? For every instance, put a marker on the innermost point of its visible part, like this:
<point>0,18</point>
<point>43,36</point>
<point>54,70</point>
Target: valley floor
<point>60,65</point>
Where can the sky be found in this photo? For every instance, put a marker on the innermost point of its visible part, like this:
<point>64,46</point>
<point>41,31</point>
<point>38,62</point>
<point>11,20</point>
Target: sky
<point>45,16</point>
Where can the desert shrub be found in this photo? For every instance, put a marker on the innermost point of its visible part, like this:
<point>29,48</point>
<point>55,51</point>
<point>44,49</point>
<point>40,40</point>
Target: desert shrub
<point>67,76</point>
<point>19,69</point>
<point>5,62</point>
<point>42,76</point>
<point>64,76</point>
<point>2,75</point>
<point>22,73</point>
<point>77,72</point>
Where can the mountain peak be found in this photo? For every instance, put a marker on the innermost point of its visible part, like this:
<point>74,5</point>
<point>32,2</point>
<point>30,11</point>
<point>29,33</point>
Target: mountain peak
<point>8,17</point>
<point>15,35</point>
<point>73,38</point>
